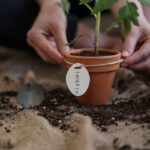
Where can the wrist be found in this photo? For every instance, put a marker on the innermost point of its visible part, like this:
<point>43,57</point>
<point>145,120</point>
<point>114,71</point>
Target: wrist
<point>47,2</point>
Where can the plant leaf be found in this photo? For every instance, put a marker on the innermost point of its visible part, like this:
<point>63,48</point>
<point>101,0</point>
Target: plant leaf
<point>101,5</point>
<point>128,15</point>
<point>127,26</point>
<point>145,2</point>
<point>115,24</point>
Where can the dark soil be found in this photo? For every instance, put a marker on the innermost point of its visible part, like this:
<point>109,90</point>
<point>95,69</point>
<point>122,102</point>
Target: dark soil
<point>8,108</point>
<point>60,103</point>
<point>92,53</point>
<point>8,93</point>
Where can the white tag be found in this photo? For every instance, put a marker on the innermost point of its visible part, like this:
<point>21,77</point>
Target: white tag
<point>78,79</point>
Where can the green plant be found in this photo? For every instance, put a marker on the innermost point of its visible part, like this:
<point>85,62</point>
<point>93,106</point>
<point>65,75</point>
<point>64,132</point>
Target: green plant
<point>128,14</point>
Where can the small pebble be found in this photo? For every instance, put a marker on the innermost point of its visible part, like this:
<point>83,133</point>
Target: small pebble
<point>59,121</point>
<point>113,118</point>
<point>44,107</point>
<point>53,100</point>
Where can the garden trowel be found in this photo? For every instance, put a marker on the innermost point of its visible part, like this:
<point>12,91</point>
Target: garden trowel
<point>31,93</point>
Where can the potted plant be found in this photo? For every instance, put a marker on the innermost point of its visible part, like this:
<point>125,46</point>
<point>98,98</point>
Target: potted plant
<point>101,63</point>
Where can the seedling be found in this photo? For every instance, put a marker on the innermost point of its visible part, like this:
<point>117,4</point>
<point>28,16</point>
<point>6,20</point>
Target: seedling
<point>128,15</point>
<point>100,71</point>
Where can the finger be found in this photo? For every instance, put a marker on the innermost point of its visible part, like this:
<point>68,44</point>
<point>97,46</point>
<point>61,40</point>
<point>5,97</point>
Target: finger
<point>129,45</point>
<point>139,56</point>
<point>142,66</point>
<point>40,53</point>
<point>59,34</point>
<point>44,45</point>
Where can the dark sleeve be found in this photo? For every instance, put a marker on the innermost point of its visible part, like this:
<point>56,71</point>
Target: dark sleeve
<point>71,26</point>
<point>17,17</point>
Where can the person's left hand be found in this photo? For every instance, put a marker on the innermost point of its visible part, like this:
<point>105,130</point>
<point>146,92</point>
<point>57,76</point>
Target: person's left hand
<point>138,60</point>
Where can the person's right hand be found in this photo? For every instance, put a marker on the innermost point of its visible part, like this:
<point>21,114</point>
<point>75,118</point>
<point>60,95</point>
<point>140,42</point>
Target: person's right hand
<point>48,33</point>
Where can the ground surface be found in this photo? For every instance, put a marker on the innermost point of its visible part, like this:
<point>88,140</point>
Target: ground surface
<point>123,124</point>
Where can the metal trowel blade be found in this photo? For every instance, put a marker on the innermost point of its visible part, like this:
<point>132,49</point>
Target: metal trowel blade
<point>30,94</point>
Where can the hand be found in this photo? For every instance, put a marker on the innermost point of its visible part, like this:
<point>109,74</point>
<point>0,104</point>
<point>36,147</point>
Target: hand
<point>48,33</point>
<point>138,60</point>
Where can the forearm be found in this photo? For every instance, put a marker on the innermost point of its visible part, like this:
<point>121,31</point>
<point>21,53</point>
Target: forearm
<point>146,10</point>
<point>42,2</point>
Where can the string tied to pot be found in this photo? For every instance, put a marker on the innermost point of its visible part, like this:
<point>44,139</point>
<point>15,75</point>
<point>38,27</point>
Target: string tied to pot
<point>98,65</point>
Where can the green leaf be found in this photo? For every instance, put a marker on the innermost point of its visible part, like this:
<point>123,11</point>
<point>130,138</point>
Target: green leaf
<point>127,26</point>
<point>128,15</point>
<point>101,5</point>
<point>130,10</point>
<point>123,13</point>
<point>115,24</point>
<point>133,13</point>
<point>66,5</point>
<point>145,2</point>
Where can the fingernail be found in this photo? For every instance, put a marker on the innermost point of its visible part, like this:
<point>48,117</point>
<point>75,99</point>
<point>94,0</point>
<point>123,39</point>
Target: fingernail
<point>124,65</point>
<point>67,48</point>
<point>125,53</point>
<point>64,50</point>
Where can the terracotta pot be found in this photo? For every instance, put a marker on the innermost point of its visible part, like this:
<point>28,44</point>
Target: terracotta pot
<point>101,77</point>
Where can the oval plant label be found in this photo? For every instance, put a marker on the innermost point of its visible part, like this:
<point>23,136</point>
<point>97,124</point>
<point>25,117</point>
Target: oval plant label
<point>77,79</point>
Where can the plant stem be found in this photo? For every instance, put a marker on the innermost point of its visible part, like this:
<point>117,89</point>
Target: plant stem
<point>97,32</point>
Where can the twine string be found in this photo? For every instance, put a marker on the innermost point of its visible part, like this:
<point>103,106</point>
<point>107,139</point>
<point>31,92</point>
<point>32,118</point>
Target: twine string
<point>98,65</point>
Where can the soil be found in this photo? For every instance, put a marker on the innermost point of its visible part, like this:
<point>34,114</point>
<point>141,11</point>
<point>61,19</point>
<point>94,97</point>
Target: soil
<point>93,54</point>
<point>136,109</point>
<point>8,93</point>
<point>59,103</point>
<point>125,123</point>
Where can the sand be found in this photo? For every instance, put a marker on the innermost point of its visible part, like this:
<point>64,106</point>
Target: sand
<point>26,130</point>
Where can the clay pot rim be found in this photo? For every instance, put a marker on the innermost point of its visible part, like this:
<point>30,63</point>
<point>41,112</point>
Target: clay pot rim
<point>68,53</point>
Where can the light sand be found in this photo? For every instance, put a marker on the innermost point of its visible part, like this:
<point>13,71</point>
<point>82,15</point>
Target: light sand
<point>29,131</point>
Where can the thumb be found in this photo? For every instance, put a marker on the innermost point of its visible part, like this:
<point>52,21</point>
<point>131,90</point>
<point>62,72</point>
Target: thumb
<point>129,45</point>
